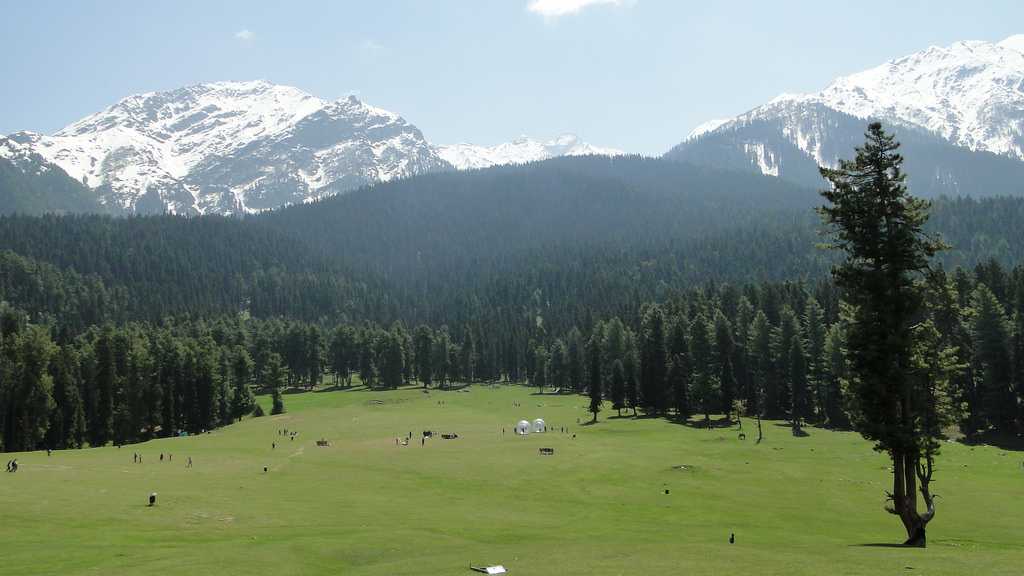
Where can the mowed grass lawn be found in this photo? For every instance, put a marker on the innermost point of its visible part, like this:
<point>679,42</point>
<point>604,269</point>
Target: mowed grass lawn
<point>808,505</point>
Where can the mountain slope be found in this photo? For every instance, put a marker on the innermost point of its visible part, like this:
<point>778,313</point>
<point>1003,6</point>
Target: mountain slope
<point>31,185</point>
<point>519,151</point>
<point>959,112</point>
<point>230,147</point>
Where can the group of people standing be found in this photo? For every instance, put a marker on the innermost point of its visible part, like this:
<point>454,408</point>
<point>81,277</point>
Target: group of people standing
<point>12,465</point>
<point>137,458</point>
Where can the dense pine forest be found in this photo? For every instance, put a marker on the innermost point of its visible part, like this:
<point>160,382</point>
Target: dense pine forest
<point>671,290</point>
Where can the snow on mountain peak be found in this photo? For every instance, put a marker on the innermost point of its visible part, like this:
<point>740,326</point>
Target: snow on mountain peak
<point>217,147</point>
<point>1015,42</point>
<point>520,150</point>
<point>706,127</point>
<point>970,93</point>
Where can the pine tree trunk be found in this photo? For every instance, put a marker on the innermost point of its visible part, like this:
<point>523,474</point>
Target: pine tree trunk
<point>904,498</point>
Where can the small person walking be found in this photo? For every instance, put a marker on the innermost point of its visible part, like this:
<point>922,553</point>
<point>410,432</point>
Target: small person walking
<point>152,499</point>
<point>161,456</point>
<point>189,465</point>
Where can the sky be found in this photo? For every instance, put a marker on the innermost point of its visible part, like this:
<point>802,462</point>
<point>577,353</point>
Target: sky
<point>631,74</point>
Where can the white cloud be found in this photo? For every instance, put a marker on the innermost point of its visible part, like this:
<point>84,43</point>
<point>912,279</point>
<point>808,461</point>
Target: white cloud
<point>245,34</point>
<point>556,8</point>
<point>370,47</point>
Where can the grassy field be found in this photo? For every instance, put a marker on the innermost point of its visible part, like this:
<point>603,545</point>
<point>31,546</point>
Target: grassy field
<point>809,505</point>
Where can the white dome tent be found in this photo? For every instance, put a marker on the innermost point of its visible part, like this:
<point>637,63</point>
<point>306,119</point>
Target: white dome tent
<point>539,425</point>
<point>523,427</point>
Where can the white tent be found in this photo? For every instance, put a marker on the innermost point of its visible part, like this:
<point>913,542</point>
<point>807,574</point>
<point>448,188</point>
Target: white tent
<point>539,425</point>
<point>523,427</point>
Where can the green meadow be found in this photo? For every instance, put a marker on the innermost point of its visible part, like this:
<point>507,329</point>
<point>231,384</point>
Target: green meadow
<point>807,505</point>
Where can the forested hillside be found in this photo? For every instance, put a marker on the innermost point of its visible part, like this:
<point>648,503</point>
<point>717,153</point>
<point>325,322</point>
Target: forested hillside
<point>125,328</point>
<point>567,237</point>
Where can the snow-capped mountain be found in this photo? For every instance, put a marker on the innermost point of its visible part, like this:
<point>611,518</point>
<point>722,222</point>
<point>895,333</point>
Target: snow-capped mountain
<point>232,147</point>
<point>958,110</point>
<point>519,151</point>
<point>29,184</point>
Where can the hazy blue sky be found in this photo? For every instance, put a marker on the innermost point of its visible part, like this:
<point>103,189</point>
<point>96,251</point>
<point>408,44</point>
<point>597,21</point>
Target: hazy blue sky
<point>634,74</point>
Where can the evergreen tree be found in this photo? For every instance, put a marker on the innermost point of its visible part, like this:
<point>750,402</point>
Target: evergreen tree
<point>760,362</point>
<point>274,380</point>
<point>441,357</point>
<point>630,367</point>
<point>833,377</point>
<point>618,386</point>
<point>799,395</point>
<point>780,397</point>
<point>879,226</point>
<point>342,356</point>
<point>724,349</point>
<point>705,391</point>
<point>67,424</point>
<point>992,334</point>
<point>558,366</point>
<point>394,363</point>
<point>242,401</point>
<point>814,345</point>
<point>314,360</point>
<point>29,398</point>
<point>594,376</point>
<point>540,369</point>
<point>101,428</point>
<point>679,382</point>
<point>468,356</point>
<point>614,345</point>
<point>653,361</point>
<point>423,344</point>
<point>575,351</point>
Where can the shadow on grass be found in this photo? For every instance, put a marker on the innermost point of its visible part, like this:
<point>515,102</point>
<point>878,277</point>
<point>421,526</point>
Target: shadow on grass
<point>1003,441</point>
<point>882,545</point>
<point>797,432</point>
<point>703,424</point>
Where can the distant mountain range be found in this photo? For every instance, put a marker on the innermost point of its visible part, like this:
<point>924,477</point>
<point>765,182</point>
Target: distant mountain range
<point>245,147</point>
<point>519,151</point>
<point>237,147</point>
<point>958,110</point>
